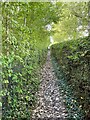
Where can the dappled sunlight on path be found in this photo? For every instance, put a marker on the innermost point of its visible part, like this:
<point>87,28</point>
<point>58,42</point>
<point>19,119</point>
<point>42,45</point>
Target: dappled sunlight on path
<point>50,104</point>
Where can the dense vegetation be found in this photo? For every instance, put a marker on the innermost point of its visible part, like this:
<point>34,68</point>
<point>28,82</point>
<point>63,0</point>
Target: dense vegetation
<point>74,59</point>
<point>71,53</point>
<point>24,47</point>
<point>73,22</point>
<point>23,52</point>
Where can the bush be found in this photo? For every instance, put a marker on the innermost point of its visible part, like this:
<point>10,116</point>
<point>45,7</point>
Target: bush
<point>20,83</point>
<point>74,58</point>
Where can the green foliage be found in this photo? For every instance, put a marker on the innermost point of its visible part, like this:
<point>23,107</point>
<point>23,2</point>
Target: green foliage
<point>74,58</point>
<point>25,42</point>
<point>72,106</point>
<point>72,23</point>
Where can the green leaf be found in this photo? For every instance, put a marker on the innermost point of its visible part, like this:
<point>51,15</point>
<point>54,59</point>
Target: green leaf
<point>6,81</point>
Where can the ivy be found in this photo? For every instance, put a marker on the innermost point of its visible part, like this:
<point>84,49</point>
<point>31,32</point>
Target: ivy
<point>72,57</point>
<point>25,42</point>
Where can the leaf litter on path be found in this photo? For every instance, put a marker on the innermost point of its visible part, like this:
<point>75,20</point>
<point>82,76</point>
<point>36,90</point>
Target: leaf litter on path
<point>50,105</point>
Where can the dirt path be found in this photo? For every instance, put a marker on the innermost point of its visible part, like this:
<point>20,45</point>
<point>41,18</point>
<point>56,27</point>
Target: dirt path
<point>50,104</point>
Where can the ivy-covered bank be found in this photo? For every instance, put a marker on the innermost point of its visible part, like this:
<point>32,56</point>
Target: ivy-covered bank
<point>73,57</point>
<point>20,83</point>
<point>72,106</point>
<point>24,50</point>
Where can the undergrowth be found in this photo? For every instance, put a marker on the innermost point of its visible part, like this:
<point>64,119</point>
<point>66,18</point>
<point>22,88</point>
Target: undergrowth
<point>20,82</point>
<point>74,58</point>
<point>74,110</point>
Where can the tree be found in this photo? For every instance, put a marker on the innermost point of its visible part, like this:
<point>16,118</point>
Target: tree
<point>25,42</point>
<point>73,22</point>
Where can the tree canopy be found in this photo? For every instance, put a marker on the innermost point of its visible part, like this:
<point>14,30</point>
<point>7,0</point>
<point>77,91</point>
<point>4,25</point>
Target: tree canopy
<point>24,47</point>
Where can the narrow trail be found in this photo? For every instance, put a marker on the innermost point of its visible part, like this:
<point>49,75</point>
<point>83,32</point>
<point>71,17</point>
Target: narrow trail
<point>50,104</point>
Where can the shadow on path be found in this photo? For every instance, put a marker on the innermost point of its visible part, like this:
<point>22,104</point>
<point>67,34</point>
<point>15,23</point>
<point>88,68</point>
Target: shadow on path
<point>50,104</point>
